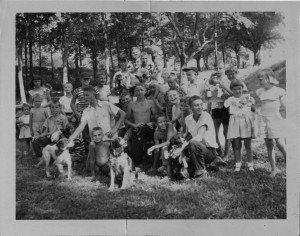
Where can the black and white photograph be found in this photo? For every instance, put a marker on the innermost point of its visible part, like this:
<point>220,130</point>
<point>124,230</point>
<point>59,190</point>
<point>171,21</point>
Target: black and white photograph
<point>133,115</point>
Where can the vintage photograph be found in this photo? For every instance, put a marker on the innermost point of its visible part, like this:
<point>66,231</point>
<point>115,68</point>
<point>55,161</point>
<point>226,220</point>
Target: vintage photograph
<point>150,115</point>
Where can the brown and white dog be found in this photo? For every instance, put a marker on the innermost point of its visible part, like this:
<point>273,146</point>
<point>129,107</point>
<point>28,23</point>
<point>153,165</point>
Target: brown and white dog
<point>120,164</point>
<point>61,155</point>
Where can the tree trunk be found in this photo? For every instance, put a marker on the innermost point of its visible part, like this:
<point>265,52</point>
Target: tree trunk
<point>257,59</point>
<point>65,59</point>
<point>52,66</point>
<point>163,46</point>
<point>223,56</point>
<point>30,58</point>
<point>26,62</point>
<point>40,54</point>
<point>80,58</point>
<point>238,60</point>
<point>198,63</point>
<point>76,61</point>
<point>110,54</point>
<point>118,46</point>
<point>95,66</point>
<point>20,76</point>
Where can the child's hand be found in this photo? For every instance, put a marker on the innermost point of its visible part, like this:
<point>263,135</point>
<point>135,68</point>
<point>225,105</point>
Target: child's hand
<point>150,124</point>
<point>149,151</point>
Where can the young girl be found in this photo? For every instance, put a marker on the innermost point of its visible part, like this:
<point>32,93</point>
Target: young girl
<point>23,123</point>
<point>272,122</point>
<point>38,88</point>
<point>104,90</point>
<point>240,122</point>
<point>38,115</point>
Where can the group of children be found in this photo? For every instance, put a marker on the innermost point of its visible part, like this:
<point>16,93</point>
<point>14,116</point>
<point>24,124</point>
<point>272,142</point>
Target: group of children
<point>157,112</point>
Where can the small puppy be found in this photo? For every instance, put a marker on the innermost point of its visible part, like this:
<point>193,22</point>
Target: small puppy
<point>61,155</point>
<point>120,164</point>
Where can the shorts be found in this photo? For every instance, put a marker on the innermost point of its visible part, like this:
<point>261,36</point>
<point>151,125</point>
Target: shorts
<point>271,128</point>
<point>221,113</point>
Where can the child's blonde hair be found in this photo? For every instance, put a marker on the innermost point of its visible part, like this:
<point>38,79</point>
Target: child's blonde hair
<point>269,75</point>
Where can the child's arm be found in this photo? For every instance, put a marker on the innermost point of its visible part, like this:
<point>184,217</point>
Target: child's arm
<point>160,107</point>
<point>176,119</point>
<point>157,146</point>
<point>282,101</point>
<point>73,106</point>
<point>30,124</point>
<point>48,98</point>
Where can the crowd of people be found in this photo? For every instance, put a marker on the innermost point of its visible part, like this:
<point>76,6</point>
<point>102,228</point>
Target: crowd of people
<point>151,108</point>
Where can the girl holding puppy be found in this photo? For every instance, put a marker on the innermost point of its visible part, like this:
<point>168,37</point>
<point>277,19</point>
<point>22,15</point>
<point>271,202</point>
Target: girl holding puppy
<point>240,122</point>
<point>272,98</point>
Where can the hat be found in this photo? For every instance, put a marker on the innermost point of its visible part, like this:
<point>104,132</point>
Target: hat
<point>235,83</point>
<point>190,68</point>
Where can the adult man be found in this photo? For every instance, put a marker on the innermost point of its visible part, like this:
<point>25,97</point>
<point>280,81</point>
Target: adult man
<point>98,113</point>
<point>196,86</point>
<point>203,143</point>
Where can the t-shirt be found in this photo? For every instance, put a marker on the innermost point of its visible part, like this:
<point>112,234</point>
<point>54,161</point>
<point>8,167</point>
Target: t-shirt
<point>66,103</point>
<point>104,92</point>
<point>270,100</point>
<point>196,88</point>
<point>193,127</point>
<point>99,115</point>
<point>82,103</point>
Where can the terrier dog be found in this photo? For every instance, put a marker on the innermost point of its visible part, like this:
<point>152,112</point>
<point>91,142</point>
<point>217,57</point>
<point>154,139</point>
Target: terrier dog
<point>61,155</point>
<point>121,165</point>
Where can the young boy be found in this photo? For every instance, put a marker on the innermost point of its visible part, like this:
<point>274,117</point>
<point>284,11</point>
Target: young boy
<point>162,135</point>
<point>196,85</point>
<point>185,111</point>
<point>104,89</point>
<point>54,122</point>
<point>139,118</point>
<point>98,153</point>
<point>65,100</point>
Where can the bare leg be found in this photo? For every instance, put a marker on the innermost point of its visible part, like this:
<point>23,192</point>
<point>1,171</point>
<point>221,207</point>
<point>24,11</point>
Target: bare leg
<point>92,160</point>
<point>47,160</point>
<point>217,124</point>
<point>281,146</point>
<point>247,143</point>
<point>227,142</point>
<point>112,180</point>
<point>271,155</point>
<point>126,177</point>
<point>69,164</point>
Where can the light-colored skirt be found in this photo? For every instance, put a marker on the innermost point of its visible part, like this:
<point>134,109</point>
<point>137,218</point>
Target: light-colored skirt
<point>272,127</point>
<point>240,126</point>
<point>25,132</point>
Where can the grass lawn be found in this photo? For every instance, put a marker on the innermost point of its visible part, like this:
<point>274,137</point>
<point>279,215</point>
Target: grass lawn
<point>223,195</point>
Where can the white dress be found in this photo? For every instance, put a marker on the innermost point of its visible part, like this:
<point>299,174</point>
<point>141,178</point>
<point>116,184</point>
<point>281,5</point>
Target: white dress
<point>241,119</point>
<point>25,130</point>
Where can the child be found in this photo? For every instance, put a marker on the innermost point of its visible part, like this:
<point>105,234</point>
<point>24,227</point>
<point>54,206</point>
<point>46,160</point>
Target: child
<point>272,123</point>
<point>162,135</point>
<point>55,122</point>
<point>104,90</point>
<point>139,118</point>
<point>65,100</point>
<point>240,122</point>
<point>78,151</point>
<point>184,112</point>
<point>38,115</point>
<point>37,84</point>
<point>98,153</point>
<point>173,97</point>
<point>23,123</point>
<point>124,73</point>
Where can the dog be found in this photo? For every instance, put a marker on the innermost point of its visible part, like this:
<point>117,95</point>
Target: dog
<point>59,152</point>
<point>121,165</point>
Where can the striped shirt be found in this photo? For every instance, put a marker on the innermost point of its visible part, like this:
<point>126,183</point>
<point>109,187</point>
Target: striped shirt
<point>79,149</point>
<point>169,106</point>
<point>82,103</point>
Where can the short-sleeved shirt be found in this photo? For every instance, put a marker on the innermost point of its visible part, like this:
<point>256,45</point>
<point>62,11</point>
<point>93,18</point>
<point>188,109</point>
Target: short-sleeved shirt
<point>99,115</point>
<point>66,103</point>
<point>104,92</point>
<point>270,100</point>
<point>82,103</point>
<point>193,127</point>
<point>53,124</point>
<point>239,106</point>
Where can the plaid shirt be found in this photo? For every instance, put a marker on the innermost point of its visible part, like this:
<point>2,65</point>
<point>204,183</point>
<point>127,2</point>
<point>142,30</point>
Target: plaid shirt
<point>181,92</point>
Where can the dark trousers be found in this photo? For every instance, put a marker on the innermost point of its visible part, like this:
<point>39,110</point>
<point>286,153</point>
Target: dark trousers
<point>38,145</point>
<point>200,156</point>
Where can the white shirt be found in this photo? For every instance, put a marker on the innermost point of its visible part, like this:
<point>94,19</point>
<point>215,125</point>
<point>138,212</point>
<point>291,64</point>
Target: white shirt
<point>196,88</point>
<point>99,115</point>
<point>66,103</point>
<point>193,127</point>
<point>104,92</point>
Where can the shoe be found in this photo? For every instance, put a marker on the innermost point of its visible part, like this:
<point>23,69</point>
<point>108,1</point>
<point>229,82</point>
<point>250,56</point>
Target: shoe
<point>250,166</point>
<point>238,166</point>
<point>204,175</point>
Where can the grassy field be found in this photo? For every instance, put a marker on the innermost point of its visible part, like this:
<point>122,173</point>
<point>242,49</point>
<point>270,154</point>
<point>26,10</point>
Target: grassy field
<point>223,195</point>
